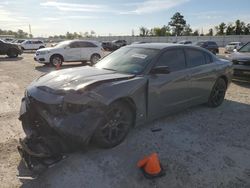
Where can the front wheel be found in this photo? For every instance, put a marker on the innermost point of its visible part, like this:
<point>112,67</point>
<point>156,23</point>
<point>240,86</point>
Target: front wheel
<point>56,60</point>
<point>95,58</point>
<point>119,120</point>
<point>218,93</point>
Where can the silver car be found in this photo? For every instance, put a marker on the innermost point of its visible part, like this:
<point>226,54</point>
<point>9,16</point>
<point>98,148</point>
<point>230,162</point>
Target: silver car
<point>241,62</point>
<point>232,46</point>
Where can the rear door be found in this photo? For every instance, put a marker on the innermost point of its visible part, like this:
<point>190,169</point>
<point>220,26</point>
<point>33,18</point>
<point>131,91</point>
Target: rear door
<point>202,74</point>
<point>169,92</point>
<point>87,50</point>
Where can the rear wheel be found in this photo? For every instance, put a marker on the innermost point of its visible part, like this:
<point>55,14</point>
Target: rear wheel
<point>218,93</point>
<point>119,120</point>
<point>56,60</point>
<point>95,58</point>
<point>12,53</point>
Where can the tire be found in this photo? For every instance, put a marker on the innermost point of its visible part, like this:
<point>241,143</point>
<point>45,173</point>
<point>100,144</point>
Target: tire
<point>55,60</point>
<point>94,59</point>
<point>12,53</point>
<point>218,92</point>
<point>120,118</point>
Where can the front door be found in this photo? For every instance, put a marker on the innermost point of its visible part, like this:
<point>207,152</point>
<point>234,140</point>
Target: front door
<point>169,92</point>
<point>73,52</point>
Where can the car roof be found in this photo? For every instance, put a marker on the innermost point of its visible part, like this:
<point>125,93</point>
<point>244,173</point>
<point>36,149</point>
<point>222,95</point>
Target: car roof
<point>155,45</point>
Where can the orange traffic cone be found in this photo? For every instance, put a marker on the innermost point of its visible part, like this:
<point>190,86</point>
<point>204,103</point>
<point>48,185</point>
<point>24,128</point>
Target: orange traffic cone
<point>151,166</point>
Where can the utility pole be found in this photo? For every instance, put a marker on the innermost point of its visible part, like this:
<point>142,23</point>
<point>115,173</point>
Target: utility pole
<point>30,30</point>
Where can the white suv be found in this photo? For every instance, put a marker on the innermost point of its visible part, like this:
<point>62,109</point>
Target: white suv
<point>71,51</point>
<point>32,44</point>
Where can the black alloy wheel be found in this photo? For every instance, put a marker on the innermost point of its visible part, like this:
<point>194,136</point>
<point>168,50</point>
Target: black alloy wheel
<point>118,121</point>
<point>218,93</point>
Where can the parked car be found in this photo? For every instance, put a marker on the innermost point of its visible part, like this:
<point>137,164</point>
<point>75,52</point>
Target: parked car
<point>109,46</point>
<point>32,44</point>
<point>241,62</point>
<point>18,41</point>
<point>131,86</point>
<point>185,42</point>
<point>9,49</point>
<point>139,42</point>
<point>70,51</point>
<point>119,43</point>
<point>209,45</point>
<point>8,39</point>
<point>233,45</point>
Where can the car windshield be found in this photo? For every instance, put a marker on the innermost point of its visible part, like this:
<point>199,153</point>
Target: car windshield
<point>128,60</point>
<point>63,44</point>
<point>245,48</point>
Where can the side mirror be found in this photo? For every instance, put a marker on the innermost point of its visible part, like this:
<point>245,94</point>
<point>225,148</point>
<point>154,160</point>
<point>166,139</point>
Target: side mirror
<point>235,50</point>
<point>160,70</point>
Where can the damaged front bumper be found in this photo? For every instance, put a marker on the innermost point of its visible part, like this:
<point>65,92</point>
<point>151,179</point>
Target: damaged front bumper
<point>51,132</point>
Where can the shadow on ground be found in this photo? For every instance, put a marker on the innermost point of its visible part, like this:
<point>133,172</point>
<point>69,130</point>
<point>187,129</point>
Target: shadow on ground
<point>199,147</point>
<point>49,68</point>
<point>10,59</point>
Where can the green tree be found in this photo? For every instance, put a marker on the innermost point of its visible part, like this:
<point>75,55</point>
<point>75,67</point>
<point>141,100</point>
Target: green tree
<point>230,29</point>
<point>220,29</point>
<point>144,31</point>
<point>187,30</point>
<point>196,33</point>
<point>21,34</point>
<point>239,27</point>
<point>210,32</point>
<point>247,29</point>
<point>177,24</point>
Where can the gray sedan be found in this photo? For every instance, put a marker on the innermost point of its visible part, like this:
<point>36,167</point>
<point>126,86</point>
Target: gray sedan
<point>131,86</point>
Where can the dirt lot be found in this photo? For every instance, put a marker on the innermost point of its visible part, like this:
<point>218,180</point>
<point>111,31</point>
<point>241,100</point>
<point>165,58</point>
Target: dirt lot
<point>199,147</point>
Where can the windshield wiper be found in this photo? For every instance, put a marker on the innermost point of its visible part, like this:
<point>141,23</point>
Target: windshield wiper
<point>109,69</point>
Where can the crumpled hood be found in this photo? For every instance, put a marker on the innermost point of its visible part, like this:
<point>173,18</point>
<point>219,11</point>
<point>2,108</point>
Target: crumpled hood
<point>77,78</point>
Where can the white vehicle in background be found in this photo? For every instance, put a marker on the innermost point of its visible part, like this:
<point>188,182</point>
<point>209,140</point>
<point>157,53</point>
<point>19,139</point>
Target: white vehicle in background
<point>71,51</point>
<point>232,46</point>
<point>32,44</point>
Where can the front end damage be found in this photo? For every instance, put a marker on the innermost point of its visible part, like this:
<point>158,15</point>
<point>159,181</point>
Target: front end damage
<point>56,128</point>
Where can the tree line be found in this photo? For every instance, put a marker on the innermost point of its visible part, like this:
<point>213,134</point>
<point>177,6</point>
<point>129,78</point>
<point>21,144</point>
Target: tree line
<point>17,34</point>
<point>178,27</point>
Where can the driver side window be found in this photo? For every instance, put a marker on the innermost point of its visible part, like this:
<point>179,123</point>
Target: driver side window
<point>174,59</point>
<point>74,45</point>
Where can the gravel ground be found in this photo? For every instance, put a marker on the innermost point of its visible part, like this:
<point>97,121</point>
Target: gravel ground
<point>198,147</point>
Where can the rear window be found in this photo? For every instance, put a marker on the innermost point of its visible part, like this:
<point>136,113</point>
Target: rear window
<point>174,59</point>
<point>195,57</point>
